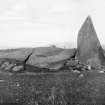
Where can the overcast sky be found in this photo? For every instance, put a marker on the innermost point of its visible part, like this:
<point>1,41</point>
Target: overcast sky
<point>32,23</point>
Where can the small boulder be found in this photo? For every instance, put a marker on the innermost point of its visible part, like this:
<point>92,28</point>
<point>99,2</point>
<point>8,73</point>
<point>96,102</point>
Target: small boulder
<point>18,68</point>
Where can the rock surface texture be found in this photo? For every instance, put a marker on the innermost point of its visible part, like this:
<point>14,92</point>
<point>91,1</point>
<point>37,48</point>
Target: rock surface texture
<point>52,58</point>
<point>89,48</point>
<point>42,57</point>
<point>17,54</point>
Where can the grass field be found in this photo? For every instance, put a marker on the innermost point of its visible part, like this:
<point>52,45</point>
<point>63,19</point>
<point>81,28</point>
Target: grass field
<point>61,88</point>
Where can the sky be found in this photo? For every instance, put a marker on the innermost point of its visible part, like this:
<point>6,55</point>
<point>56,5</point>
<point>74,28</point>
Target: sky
<point>34,23</point>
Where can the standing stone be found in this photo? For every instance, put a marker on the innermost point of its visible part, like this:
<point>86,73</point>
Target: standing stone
<point>89,50</point>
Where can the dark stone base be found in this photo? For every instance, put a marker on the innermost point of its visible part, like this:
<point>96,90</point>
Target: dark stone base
<point>62,88</point>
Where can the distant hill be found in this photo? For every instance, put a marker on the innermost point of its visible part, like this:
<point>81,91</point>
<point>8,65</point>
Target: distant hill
<point>66,45</point>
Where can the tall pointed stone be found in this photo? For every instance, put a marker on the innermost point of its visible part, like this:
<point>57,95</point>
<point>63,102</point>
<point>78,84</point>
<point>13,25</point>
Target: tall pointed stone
<point>89,50</point>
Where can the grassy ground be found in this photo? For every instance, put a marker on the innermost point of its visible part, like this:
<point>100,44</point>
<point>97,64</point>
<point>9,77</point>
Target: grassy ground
<point>62,88</point>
